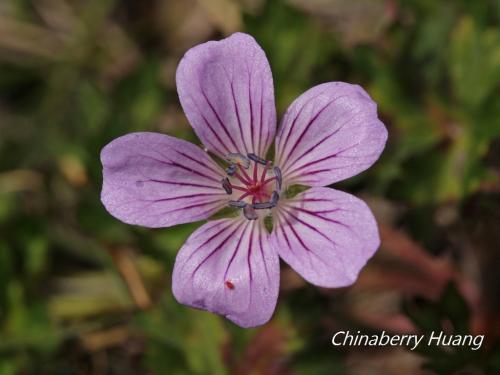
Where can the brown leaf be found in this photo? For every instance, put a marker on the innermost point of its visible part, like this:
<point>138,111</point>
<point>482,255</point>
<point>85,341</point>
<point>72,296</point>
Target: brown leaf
<point>265,353</point>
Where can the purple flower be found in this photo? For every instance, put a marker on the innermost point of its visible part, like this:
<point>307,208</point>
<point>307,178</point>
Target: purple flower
<point>231,266</point>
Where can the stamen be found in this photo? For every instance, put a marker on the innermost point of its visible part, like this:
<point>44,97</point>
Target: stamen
<point>257,159</point>
<point>227,185</point>
<point>235,158</point>
<point>275,197</point>
<point>261,206</point>
<point>237,204</point>
<point>250,212</point>
<point>231,169</point>
<point>229,284</point>
<point>279,177</point>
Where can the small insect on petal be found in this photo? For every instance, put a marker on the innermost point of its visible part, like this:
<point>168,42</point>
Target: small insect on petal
<point>263,205</point>
<point>279,177</point>
<point>235,158</point>
<point>250,212</point>
<point>257,159</point>
<point>229,284</point>
<point>231,169</point>
<point>275,197</point>
<point>227,185</point>
<point>237,204</point>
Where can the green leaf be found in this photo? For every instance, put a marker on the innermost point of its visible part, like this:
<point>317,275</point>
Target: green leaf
<point>474,62</point>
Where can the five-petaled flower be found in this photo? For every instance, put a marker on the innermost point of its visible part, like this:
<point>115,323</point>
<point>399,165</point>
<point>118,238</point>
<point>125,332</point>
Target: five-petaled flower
<point>231,266</point>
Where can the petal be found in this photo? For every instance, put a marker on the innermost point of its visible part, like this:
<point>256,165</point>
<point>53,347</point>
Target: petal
<point>154,180</point>
<point>325,235</point>
<point>331,132</point>
<point>226,90</point>
<point>227,267</point>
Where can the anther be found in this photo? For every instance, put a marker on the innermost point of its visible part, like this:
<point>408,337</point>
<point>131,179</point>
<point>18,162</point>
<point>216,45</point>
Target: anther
<point>257,159</point>
<point>279,177</point>
<point>263,205</point>
<point>231,169</point>
<point>229,284</point>
<point>235,158</point>
<point>250,212</point>
<point>275,197</point>
<point>237,204</point>
<point>227,185</point>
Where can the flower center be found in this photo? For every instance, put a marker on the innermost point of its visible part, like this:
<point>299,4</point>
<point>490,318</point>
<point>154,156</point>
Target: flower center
<point>258,182</point>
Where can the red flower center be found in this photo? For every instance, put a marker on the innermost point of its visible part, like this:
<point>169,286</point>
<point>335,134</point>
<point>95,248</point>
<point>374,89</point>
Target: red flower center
<point>257,189</point>
<point>256,186</point>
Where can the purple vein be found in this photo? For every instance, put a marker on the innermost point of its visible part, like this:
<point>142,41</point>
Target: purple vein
<point>303,244</point>
<point>252,135</point>
<point>216,114</point>
<point>310,124</point>
<point>322,159</point>
<point>180,183</point>
<point>289,163</point>
<point>218,201</point>
<point>211,238</point>
<point>217,248</point>
<point>236,110</point>
<point>175,164</point>
<point>199,162</point>
<point>308,251</point>
<point>177,197</point>
<point>283,141</point>
<point>262,251</point>
<point>317,214</point>
<point>249,251</point>
<point>261,120</point>
<point>309,200</point>
<point>207,123</point>
<point>235,252</point>
<point>310,226</point>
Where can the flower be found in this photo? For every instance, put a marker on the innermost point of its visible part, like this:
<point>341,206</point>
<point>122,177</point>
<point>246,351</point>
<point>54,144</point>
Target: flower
<point>230,266</point>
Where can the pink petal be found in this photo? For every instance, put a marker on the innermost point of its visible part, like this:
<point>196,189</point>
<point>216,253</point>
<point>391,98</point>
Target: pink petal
<point>154,180</point>
<point>326,235</point>
<point>226,90</point>
<point>331,132</point>
<point>227,267</point>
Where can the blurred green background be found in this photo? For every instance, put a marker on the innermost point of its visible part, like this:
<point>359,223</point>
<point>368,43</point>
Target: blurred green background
<point>82,293</point>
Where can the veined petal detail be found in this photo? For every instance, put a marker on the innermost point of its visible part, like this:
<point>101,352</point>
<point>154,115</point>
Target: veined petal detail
<point>227,267</point>
<point>154,180</point>
<point>226,90</point>
<point>326,235</point>
<point>329,133</point>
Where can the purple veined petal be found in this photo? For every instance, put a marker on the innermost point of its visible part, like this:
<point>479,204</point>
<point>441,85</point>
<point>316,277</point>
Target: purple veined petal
<point>330,133</point>
<point>154,180</point>
<point>326,235</point>
<point>227,267</point>
<point>226,90</point>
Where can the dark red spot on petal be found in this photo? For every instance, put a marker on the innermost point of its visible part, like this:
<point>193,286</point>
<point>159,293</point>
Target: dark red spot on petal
<point>229,285</point>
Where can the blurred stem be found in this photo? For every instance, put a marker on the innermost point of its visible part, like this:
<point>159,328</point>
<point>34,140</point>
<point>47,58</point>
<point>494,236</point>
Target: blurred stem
<point>126,265</point>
